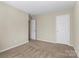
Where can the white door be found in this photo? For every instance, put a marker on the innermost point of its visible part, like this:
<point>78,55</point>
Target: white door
<point>63,29</point>
<point>33,29</point>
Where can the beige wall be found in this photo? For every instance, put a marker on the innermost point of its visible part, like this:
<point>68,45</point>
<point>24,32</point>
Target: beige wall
<point>13,27</point>
<point>76,27</point>
<point>45,31</point>
<point>46,26</point>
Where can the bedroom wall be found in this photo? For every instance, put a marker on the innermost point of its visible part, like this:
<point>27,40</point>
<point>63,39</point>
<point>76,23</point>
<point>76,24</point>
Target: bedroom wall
<point>46,26</point>
<point>45,31</point>
<point>13,27</point>
<point>76,27</point>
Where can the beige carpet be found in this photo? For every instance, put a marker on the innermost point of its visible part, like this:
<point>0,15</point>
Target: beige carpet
<point>40,49</point>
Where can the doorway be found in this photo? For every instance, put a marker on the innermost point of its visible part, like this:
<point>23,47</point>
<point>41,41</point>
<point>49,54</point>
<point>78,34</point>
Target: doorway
<point>33,29</point>
<point>63,29</point>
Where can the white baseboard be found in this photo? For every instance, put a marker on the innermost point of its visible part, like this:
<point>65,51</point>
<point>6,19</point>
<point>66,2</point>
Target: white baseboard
<point>12,47</point>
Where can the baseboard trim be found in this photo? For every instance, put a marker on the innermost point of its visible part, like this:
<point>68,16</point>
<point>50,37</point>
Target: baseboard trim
<point>13,47</point>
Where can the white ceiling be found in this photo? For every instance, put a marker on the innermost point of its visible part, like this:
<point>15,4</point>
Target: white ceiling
<point>40,7</point>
